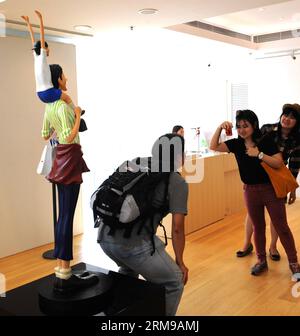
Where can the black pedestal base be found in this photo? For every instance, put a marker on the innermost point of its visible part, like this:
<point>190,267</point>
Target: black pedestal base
<point>114,295</point>
<point>88,301</point>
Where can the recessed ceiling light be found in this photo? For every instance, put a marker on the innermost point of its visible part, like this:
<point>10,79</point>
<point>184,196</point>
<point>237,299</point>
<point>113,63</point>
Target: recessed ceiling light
<point>84,28</point>
<point>2,0</point>
<point>281,19</point>
<point>261,9</point>
<point>148,11</point>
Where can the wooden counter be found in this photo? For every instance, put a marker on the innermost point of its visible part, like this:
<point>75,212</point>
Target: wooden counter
<point>217,194</point>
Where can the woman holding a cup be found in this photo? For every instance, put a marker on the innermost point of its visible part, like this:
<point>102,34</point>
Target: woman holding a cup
<point>286,135</point>
<point>250,149</point>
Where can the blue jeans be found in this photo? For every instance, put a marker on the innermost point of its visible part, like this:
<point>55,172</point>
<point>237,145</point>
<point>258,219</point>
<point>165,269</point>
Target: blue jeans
<point>158,268</point>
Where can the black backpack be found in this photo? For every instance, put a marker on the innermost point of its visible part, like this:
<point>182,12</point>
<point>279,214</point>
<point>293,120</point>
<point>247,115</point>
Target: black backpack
<point>126,198</point>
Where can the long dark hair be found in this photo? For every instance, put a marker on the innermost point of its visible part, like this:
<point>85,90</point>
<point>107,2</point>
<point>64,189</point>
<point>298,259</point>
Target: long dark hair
<point>251,117</point>
<point>293,109</point>
<point>56,73</point>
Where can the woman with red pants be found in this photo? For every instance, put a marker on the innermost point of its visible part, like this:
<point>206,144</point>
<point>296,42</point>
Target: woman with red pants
<point>250,149</point>
<point>285,134</point>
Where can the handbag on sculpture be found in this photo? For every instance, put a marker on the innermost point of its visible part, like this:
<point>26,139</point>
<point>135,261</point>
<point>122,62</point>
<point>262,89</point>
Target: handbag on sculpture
<point>282,180</point>
<point>47,158</point>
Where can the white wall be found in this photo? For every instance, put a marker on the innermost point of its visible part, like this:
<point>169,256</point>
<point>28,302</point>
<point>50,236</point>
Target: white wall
<point>135,86</point>
<point>25,197</point>
<point>275,81</point>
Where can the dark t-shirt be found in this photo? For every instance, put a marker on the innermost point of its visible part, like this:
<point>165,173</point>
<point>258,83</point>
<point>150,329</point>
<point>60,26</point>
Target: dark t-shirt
<point>251,171</point>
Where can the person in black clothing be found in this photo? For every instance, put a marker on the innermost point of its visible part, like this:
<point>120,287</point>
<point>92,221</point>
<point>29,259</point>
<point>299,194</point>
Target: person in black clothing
<point>286,135</point>
<point>250,148</point>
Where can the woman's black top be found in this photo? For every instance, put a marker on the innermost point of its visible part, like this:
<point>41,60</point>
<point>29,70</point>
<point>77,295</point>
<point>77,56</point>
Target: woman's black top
<point>250,169</point>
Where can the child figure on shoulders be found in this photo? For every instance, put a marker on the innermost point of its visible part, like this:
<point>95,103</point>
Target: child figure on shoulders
<point>44,87</point>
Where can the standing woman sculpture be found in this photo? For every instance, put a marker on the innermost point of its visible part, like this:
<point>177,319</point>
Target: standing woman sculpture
<point>66,172</point>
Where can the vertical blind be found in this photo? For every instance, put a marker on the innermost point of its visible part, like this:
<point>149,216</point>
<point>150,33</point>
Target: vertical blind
<point>239,98</point>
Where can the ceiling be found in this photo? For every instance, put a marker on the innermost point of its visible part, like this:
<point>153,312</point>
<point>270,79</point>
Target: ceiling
<point>108,15</point>
<point>263,20</point>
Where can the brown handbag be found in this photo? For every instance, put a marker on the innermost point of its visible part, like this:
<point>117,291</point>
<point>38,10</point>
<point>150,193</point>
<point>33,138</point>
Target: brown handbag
<point>282,180</point>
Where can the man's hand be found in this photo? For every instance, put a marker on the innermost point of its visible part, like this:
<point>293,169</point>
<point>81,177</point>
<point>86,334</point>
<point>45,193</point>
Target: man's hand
<point>292,197</point>
<point>185,272</point>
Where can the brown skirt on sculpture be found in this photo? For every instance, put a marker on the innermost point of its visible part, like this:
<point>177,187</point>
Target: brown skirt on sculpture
<point>68,165</point>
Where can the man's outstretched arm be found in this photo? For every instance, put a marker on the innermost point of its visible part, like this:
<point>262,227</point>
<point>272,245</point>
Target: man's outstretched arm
<point>178,241</point>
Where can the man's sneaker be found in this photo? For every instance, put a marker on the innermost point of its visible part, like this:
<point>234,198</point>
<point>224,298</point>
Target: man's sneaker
<point>295,269</point>
<point>259,268</point>
<point>74,283</point>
